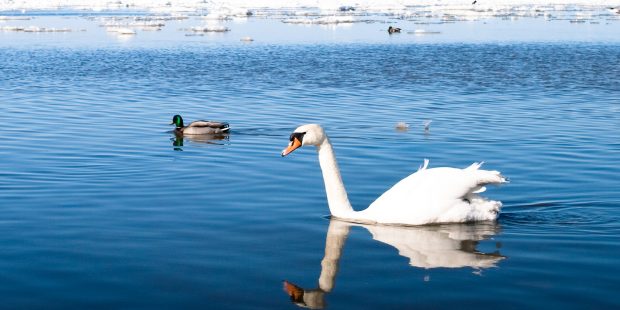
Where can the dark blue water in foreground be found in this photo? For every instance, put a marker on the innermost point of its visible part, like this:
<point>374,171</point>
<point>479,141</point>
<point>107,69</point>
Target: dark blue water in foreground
<point>99,208</point>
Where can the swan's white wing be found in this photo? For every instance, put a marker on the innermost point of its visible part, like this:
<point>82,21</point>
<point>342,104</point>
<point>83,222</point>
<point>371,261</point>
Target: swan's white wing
<point>435,195</point>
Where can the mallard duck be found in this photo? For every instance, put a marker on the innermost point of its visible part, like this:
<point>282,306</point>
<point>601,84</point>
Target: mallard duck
<point>393,30</point>
<point>199,127</point>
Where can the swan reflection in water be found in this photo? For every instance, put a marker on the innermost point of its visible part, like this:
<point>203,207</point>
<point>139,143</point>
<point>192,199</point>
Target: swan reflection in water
<point>178,140</point>
<point>437,246</point>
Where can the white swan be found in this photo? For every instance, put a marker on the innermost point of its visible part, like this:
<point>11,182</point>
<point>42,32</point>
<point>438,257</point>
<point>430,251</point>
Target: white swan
<point>438,195</point>
<point>432,246</point>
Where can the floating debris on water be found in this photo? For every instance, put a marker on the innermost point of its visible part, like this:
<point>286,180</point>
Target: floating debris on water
<point>427,125</point>
<point>402,126</point>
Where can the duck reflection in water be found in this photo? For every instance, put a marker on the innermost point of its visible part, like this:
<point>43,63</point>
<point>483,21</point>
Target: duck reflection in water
<point>436,246</point>
<point>218,139</point>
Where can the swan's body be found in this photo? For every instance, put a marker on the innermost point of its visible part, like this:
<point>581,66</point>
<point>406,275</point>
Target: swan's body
<point>437,195</point>
<point>199,127</point>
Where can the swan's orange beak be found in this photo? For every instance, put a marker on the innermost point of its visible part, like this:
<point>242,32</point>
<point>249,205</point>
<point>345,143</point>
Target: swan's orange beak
<point>295,144</point>
<point>295,292</point>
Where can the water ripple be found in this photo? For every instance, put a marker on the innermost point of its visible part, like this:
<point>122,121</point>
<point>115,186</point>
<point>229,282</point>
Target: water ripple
<point>93,183</point>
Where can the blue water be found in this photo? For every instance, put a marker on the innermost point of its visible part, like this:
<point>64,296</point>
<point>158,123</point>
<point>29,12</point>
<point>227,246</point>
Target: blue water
<point>101,207</point>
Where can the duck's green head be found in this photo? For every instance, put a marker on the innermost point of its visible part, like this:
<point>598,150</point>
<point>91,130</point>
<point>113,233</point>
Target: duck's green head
<point>177,120</point>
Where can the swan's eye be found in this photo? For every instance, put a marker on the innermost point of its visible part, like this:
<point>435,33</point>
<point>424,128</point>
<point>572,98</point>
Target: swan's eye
<point>298,135</point>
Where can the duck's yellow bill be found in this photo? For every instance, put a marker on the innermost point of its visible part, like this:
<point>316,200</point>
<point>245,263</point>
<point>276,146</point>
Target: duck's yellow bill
<point>295,144</point>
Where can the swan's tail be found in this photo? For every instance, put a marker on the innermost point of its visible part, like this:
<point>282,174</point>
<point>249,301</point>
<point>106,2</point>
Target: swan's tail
<point>484,177</point>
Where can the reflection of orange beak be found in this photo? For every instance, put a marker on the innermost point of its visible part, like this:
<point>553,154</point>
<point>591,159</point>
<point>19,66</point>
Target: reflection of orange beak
<point>295,292</point>
<point>291,147</point>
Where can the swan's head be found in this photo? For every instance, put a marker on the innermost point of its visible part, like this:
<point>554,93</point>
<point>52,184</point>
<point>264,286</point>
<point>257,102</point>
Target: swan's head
<point>310,134</point>
<point>312,299</point>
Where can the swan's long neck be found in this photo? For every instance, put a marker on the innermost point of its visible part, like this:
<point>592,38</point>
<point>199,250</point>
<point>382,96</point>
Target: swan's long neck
<point>337,234</point>
<point>337,198</point>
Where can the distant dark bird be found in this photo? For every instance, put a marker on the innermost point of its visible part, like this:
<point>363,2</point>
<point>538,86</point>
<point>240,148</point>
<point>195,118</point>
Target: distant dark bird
<point>393,30</point>
<point>346,8</point>
<point>474,2</point>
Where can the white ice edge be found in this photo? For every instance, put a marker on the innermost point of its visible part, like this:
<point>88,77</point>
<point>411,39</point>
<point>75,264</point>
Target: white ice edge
<point>240,7</point>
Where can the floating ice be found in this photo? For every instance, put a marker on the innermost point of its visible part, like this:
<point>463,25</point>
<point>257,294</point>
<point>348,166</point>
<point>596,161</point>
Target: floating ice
<point>321,20</point>
<point>209,29</point>
<point>113,24</point>
<point>121,30</point>
<point>7,18</point>
<point>364,6</point>
<point>216,16</point>
<point>33,29</point>
<point>336,12</point>
<point>423,32</point>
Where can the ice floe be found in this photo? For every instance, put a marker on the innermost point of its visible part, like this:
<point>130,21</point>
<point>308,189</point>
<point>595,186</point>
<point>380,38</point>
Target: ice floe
<point>460,8</point>
<point>130,16</point>
<point>214,28</point>
<point>327,20</point>
<point>34,29</point>
<point>423,32</point>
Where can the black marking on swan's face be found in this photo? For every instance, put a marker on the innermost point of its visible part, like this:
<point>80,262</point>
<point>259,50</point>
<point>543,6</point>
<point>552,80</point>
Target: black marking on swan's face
<point>296,139</point>
<point>298,135</point>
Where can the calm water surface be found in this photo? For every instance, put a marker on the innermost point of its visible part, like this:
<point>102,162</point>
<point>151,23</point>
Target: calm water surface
<point>102,207</point>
